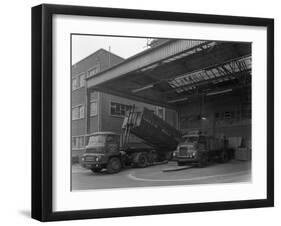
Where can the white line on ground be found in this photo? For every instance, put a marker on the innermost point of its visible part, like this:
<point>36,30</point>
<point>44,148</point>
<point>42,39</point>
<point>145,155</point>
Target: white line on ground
<point>132,176</point>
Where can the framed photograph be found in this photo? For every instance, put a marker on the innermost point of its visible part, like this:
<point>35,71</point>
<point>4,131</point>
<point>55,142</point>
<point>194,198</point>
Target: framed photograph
<point>146,112</point>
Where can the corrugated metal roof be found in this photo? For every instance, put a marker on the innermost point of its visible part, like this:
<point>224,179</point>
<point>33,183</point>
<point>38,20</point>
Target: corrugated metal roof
<point>189,81</point>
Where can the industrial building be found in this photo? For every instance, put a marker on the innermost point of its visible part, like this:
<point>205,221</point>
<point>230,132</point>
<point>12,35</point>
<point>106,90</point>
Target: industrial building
<point>206,85</point>
<point>94,111</point>
<point>92,64</point>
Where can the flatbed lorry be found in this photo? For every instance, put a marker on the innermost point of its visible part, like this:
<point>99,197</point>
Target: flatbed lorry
<point>111,151</point>
<point>198,148</point>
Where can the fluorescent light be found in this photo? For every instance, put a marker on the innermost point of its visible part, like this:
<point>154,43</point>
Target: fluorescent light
<point>142,88</point>
<point>177,100</point>
<point>219,92</point>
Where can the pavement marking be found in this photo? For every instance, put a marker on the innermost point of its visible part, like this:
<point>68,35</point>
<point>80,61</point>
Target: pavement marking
<point>132,176</point>
<point>177,168</point>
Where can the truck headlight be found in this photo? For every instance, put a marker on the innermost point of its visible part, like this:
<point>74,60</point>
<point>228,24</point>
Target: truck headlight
<point>98,158</point>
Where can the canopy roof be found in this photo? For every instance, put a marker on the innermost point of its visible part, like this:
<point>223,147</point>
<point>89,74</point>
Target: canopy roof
<point>178,70</point>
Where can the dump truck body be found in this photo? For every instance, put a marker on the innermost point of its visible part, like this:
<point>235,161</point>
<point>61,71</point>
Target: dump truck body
<point>153,130</point>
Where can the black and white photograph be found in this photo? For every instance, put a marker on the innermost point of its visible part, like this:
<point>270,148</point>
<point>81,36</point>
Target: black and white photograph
<point>159,111</point>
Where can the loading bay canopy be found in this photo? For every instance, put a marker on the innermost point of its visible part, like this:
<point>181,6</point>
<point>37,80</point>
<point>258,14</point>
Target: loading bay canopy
<point>177,71</point>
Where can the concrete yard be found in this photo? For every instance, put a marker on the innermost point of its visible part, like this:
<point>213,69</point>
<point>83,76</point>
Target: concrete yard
<point>231,172</point>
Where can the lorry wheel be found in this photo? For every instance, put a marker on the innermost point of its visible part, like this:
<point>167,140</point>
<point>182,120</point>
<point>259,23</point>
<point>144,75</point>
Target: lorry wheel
<point>203,161</point>
<point>223,158</point>
<point>96,170</point>
<point>151,157</point>
<point>114,165</point>
<point>142,160</point>
<point>169,156</point>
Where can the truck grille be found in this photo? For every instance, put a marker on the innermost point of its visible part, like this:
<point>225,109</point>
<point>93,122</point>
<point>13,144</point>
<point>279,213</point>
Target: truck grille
<point>90,158</point>
<point>183,152</point>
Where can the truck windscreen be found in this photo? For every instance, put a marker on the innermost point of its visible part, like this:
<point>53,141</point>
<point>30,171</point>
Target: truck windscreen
<point>98,139</point>
<point>191,139</point>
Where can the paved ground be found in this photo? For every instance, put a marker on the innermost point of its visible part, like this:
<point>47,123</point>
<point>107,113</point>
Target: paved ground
<point>234,171</point>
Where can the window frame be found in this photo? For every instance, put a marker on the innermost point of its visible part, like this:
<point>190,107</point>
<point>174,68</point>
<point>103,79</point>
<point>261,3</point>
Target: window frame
<point>75,137</point>
<point>157,112</point>
<point>77,106</point>
<point>78,81</point>
<point>97,108</point>
<point>90,69</point>
<point>119,116</point>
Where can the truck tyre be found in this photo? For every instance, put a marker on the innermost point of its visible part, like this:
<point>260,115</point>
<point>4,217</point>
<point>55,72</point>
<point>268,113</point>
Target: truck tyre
<point>142,160</point>
<point>96,170</point>
<point>151,157</point>
<point>203,161</point>
<point>223,158</point>
<point>114,165</point>
<point>169,156</point>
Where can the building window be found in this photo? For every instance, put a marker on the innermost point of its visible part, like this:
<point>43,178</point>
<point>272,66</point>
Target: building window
<point>236,115</point>
<point>74,84</point>
<point>93,95</point>
<point>78,142</point>
<point>78,81</point>
<point>78,112</point>
<point>227,115</point>
<point>160,112</point>
<point>93,71</point>
<point>217,115</point>
<point>93,108</point>
<point>82,80</point>
<point>117,109</point>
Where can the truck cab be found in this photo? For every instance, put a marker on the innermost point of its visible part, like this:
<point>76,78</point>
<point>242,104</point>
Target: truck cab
<point>199,148</point>
<point>102,151</point>
<point>192,149</point>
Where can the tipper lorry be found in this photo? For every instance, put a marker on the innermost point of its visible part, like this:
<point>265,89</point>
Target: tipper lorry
<point>111,151</point>
<point>199,148</point>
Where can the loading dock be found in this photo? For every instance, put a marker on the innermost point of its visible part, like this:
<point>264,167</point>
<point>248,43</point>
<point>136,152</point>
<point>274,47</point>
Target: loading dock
<point>207,83</point>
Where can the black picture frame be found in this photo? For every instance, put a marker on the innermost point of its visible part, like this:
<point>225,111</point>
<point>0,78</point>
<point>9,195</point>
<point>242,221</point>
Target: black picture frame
<point>42,108</point>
